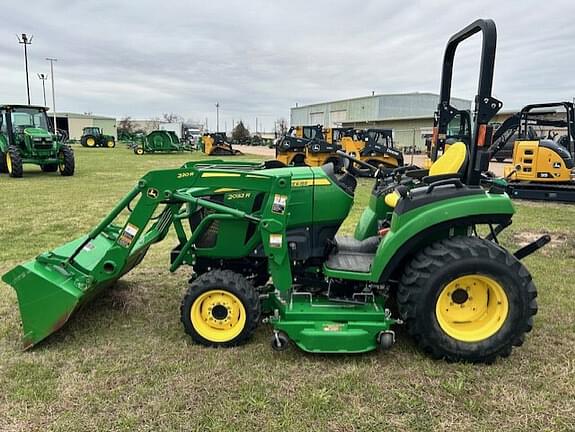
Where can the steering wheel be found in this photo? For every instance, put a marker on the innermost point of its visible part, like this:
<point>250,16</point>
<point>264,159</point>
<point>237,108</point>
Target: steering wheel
<point>352,159</point>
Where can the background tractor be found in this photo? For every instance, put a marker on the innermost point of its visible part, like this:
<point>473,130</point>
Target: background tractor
<point>25,138</point>
<point>543,152</point>
<point>264,242</point>
<point>217,144</point>
<point>374,146</point>
<point>309,145</point>
<point>94,137</point>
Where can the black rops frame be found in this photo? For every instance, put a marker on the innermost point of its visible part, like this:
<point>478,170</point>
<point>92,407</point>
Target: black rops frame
<point>485,105</point>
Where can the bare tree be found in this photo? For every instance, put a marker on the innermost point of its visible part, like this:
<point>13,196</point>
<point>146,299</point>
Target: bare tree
<point>240,133</point>
<point>281,126</point>
<point>125,125</point>
<point>172,118</point>
<point>154,124</point>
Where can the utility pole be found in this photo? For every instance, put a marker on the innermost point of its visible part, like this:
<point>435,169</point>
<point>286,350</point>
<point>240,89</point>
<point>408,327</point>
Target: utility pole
<point>52,60</point>
<point>25,41</point>
<point>43,78</point>
<point>217,116</point>
<point>207,130</point>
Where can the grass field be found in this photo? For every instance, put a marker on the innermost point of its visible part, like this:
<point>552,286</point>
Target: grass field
<point>124,362</point>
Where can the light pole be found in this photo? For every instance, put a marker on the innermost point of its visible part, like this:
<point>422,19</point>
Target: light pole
<point>43,78</point>
<point>25,41</point>
<point>52,60</point>
<point>217,116</point>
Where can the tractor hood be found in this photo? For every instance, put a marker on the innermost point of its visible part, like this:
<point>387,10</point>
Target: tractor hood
<point>33,132</point>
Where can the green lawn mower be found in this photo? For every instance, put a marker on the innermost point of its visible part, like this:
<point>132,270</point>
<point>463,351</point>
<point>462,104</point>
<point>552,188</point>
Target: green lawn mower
<point>264,246</point>
<point>25,138</point>
<point>160,141</point>
<point>94,137</point>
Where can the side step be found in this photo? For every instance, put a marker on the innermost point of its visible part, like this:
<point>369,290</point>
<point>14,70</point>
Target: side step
<point>350,261</point>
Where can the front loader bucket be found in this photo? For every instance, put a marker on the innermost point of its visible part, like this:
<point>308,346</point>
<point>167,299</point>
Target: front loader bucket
<point>46,299</point>
<point>51,288</point>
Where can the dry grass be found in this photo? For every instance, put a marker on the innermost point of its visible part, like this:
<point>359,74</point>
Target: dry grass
<point>124,362</point>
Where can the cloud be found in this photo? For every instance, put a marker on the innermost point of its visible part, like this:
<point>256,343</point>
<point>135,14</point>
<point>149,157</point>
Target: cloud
<point>259,58</point>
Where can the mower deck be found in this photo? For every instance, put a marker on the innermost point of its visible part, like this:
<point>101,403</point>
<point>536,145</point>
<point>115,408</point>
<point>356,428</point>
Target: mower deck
<point>319,324</point>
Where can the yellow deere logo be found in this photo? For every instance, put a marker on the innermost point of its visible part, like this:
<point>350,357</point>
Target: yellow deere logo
<point>152,193</point>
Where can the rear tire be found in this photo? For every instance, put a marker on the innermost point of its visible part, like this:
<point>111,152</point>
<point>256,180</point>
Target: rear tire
<point>88,141</point>
<point>220,308</point>
<point>14,164</point>
<point>467,299</point>
<point>66,161</point>
<point>298,160</point>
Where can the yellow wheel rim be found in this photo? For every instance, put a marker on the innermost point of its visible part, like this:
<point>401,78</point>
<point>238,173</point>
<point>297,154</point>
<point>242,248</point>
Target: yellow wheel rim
<point>472,308</point>
<point>90,142</point>
<point>110,143</point>
<point>140,151</point>
<point>9,163</point>
<point>218,316</point>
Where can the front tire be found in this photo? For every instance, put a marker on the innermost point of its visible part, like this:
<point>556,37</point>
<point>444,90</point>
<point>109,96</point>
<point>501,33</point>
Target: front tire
<point>14,164</point>
<point>467,299</point>
<point>66,163</point>
<point>110,143</point>
<point>220,308</point>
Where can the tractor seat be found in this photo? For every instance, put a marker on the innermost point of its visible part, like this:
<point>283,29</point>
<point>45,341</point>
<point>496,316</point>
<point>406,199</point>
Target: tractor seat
<point>452,161</point>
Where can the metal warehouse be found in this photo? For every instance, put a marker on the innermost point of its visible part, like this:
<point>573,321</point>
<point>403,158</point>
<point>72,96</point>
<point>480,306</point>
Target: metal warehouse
<point>73,123</point>
<point>410,115</point>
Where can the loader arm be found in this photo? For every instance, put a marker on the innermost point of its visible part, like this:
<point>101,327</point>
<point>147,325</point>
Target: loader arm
<point>55,284</point>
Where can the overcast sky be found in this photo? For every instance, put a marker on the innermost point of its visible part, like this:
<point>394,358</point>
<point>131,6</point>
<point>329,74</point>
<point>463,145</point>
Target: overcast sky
<point>258,58</point>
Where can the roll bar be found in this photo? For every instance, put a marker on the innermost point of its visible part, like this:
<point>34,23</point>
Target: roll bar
<point>485,105</point>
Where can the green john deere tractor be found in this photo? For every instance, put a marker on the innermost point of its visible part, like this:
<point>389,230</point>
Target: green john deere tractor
<point>94,137</point>
<point>25,138</point>
<point>264,245</point>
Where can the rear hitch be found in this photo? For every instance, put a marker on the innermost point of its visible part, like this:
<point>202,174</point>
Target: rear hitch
<point>532,247</point>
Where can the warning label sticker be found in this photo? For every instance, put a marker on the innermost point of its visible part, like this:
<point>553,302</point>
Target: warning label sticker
<point>276,240</point>
<point>128,235</point>
<point>279,205</point>
<point>88,246</point>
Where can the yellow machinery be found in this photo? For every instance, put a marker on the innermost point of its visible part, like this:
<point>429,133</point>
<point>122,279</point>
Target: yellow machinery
<point>542,166</point>
<point>216,144</point>
<point>374,146</point>
<point>308,145</point>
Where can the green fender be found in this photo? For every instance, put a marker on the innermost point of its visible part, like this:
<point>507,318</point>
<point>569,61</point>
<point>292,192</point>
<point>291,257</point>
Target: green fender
<point>411,230</point>
<point>367,224</point>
